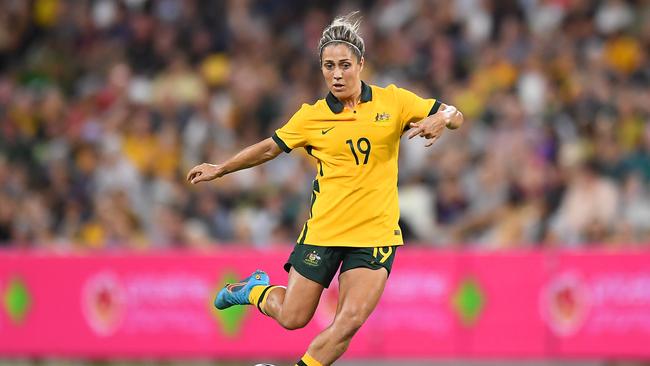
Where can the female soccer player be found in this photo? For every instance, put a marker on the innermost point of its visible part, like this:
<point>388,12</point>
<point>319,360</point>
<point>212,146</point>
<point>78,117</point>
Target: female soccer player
<point>354,135</point>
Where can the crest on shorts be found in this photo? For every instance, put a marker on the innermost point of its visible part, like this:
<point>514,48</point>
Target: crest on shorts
<point>312,258</point>
<point>382,117</point>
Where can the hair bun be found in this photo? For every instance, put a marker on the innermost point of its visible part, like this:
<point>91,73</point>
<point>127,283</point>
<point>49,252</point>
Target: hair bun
<point>343,29</point>
<point>350,21</point>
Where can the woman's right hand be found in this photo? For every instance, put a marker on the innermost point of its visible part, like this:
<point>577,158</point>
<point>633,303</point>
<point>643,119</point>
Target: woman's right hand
<point>203,172</point>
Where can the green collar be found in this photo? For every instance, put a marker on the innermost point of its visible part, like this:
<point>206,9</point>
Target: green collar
<point>337,107</point>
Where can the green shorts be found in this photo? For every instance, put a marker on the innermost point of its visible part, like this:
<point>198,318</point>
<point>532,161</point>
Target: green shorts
<point>320,264</point>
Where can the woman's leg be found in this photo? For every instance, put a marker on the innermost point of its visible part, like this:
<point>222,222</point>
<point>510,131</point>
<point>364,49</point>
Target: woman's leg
<point>359,293</point>
<point>294,306</point>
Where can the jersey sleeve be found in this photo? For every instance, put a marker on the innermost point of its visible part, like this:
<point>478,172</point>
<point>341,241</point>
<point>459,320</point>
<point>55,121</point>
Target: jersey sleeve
<point>414,108</point>
<point>292,134</point>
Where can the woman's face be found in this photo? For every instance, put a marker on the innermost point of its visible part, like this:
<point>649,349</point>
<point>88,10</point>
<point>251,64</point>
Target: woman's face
<point>342,71</point>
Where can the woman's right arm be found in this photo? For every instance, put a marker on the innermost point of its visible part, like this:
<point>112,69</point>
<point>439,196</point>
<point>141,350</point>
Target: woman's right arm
<point>249,157</point>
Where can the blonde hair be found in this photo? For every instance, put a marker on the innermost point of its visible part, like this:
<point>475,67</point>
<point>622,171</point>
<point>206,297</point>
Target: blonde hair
<point>345,30</point>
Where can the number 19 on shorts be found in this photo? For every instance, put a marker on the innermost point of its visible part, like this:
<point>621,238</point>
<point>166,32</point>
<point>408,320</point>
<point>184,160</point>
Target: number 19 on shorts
<point>382,254</point>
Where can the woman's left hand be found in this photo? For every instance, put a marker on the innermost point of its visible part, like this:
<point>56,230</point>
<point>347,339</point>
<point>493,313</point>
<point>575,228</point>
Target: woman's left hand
<point>432,127</point>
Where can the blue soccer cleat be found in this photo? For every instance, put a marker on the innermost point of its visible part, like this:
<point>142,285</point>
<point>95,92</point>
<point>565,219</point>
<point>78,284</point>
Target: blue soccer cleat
<point>237,293</point>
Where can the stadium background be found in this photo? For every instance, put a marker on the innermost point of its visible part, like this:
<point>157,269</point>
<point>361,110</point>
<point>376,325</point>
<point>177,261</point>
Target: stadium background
<point>105,105</point>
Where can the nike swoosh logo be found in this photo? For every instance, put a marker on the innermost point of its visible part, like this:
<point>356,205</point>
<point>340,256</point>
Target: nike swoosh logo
<point>327,130</point>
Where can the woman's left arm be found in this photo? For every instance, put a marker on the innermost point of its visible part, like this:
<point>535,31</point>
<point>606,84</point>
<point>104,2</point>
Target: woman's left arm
<point>432,126</point>
<point>455,117</point>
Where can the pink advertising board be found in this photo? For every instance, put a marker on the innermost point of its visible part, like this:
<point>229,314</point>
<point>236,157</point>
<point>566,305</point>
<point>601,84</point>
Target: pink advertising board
<point>509,323</point>
<point>530,305</point>
<point>132,306</point>
<point>598,305</point>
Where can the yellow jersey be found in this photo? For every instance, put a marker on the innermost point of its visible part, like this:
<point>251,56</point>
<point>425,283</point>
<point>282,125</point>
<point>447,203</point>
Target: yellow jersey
<point>354,197</point>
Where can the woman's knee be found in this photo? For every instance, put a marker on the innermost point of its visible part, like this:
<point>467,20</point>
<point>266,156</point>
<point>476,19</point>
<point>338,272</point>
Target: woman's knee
<point>349,321</point>
<point>293,320</point>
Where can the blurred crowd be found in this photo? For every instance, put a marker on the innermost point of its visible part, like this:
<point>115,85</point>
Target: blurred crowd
<point>106,104</point>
